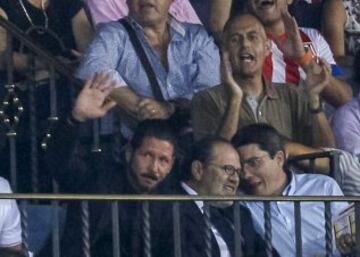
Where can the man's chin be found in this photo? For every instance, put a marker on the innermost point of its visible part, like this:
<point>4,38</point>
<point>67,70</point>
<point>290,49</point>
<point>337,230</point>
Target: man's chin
<point>222,204</point>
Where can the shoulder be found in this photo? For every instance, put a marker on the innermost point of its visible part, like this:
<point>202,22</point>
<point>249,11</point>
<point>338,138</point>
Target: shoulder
<point>318,184</point>
<point>350,109</point>
<point>215,95</point>
<point>4,186</point>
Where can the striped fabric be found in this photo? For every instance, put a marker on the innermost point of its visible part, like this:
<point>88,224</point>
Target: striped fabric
<point>349,177</point>
<point>279,69</point>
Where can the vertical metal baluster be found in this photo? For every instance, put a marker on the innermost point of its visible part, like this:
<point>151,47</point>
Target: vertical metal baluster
<point>146,228</point>
<point>298,238</point>
<point>115,228</point>
<point>12,133</point>
<point>312,164</point>
<point>85,228</point>
<point>13,166</point>
<point>177,230</point>
<point>33,127</point>
<point>237,230</point>
<point>53,108</point>
<point>328,230</point>
<point>357,228</point>
<point>96,136</point>
<point>55,229</point>
<point>9,58</point>
<point>24,224</point>
<point>208,246</point>
<point>267,225</point>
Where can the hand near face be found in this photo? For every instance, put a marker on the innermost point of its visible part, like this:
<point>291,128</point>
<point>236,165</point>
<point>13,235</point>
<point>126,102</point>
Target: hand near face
<point>291,45</point>
<point>227,78</point>
<point>317,78</point>
<point>93,101</point>
<point>152,109</point>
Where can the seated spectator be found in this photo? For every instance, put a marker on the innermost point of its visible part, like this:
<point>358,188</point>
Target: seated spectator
<point>113,10</point>
<point>183,57</point>
<point>212,168</point>
<point>10,227</point>
<point>262,155</point>
<point>244,97</point>
<point>149,159</point>
<point>41,19</point>
<point>293,48</point>
<point>346,126</point>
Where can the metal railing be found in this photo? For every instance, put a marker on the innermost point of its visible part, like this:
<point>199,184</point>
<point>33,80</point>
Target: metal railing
<point>176,200</point>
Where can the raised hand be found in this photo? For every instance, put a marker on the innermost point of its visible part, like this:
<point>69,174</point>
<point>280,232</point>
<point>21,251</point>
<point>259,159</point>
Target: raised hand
<point>227,79</point>
<point>291,45</point>
<point>317,78</point>
<point>152,109</point>
<point>93,101</point>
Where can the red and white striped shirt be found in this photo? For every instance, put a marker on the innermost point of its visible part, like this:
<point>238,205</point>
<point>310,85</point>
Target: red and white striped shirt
<point>280,69</point>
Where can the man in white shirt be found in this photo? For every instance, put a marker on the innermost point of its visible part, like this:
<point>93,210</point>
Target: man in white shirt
<point>10,227</point>
<point>262,156</point>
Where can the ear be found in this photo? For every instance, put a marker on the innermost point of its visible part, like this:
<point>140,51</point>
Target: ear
<point>280,158</point>
<point>197,170</point>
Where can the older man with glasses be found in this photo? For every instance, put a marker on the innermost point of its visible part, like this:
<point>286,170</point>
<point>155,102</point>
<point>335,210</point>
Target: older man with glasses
<point>212,168</point>
<point>262,153</point>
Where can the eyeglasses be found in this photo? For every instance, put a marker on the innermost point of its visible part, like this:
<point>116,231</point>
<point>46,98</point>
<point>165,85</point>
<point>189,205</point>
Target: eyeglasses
<point>228,169</point>
<point>253,162</point>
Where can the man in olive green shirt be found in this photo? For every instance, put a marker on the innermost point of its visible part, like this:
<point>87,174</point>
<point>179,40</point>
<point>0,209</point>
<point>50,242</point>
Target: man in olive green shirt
<point>244,97</point>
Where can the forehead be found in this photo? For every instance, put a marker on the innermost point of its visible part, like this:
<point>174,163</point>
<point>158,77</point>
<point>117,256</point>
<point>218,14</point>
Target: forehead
<point>244,24</point>
<point>249,151</point>
<point>225,154</point>
<point>158,145</point>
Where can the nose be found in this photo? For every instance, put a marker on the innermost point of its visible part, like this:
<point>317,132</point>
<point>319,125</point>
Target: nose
<point>245,173</point>
<point>155,167</point>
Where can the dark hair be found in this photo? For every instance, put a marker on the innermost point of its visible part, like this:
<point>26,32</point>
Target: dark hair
<point>234,18</point>
<point>264,135</point>
<point>201,151</point>
<point>7,252</point>
<point>159,129</point>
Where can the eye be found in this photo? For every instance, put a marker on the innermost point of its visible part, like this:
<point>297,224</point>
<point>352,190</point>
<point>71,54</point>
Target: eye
<point>164,160</point>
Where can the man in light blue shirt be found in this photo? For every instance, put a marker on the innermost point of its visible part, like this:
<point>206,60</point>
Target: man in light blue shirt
<point>183,56</point>
<point>262,156</point>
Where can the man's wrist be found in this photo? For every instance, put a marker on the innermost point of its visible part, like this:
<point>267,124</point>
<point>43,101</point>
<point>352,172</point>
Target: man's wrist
<point>74,120</point>
<point>315,106</point>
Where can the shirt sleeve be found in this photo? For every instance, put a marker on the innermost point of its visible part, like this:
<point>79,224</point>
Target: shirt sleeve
<point>205,114</point>
<point>10,227</point>
<point>104,53</point>
<point>72,7</point>
<point>346,127</point>
<point>207,59</point>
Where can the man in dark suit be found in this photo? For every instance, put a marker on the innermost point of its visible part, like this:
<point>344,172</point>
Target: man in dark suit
<point>149,159</point>
<point>212,168</point>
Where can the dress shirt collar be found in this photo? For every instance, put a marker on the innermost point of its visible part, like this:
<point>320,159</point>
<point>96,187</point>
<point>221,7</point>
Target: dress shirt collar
<point>291,186</point>
<point>190,191</point>
<point>175,26</point>
<point>270,90</point>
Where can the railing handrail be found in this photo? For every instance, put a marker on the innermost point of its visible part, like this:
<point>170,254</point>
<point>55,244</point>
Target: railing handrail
<point>141,197</point>
<point>58,65</point>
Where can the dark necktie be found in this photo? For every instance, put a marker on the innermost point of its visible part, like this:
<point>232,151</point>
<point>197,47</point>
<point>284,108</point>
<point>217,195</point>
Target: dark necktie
<point>225,228</point>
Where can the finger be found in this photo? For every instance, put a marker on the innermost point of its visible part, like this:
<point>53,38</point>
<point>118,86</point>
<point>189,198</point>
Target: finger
<point>76,53</point>
<point>109,104</point>
<point>107,91</point>
<point>102,81</point>
<point>145,102</point>
<point>90,81</point>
